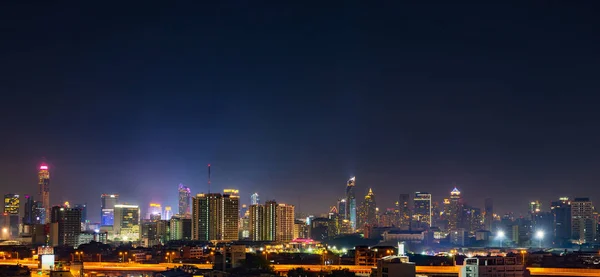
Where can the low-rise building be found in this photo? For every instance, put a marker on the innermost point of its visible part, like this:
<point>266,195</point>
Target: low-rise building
<point>394,266</point>
<point>493,267</point>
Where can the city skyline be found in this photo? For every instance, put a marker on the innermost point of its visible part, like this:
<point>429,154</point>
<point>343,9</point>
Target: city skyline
<point>497,99</point>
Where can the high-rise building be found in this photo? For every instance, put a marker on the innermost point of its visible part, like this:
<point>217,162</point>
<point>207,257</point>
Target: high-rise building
<point>38,212</point>
<point>404,213</point>
<point>285,223</point>
<point>254,200</point>
<point>456,211</point>
<point>351,202</point>
<point>230,217</point>
<point>28,210</point>
<point>68,221</point>
<point>215,216</point>
<point>154,209</point>
<point>422,209</point>
<point>184,201</point>
<point>180,228</point>
<point>167,214</point>
<point>341,207</point>
<point>562,220</point>
<point>44,190</point>
<point>489,214</point>
<point>263,221</point>
<point>127,222</point>
<point>83,208</point>
<point>534,207</point>
<point>368,213</point>
<point>11,204</point>
<point>107,208</point>
<point>583,227</point>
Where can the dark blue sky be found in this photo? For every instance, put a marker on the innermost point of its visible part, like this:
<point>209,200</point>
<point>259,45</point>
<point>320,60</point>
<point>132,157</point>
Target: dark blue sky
<point>290,100</point>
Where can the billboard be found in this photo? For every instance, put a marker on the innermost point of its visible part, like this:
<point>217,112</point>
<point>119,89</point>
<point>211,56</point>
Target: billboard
<point>47,262</point>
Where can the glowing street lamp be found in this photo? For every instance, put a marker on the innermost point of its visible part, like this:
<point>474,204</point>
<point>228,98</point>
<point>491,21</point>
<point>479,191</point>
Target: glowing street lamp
<point>500,236</point>
<point>540,236</point>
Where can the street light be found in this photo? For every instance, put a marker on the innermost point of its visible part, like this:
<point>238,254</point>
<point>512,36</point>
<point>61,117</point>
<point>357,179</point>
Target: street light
<point>500,236</point>
<point>540,236</point>
<point>523,252</point>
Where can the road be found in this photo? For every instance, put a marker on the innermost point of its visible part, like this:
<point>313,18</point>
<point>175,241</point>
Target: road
<point>111,266</point>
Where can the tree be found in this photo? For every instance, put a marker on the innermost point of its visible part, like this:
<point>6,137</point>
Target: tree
<point>301,272</point>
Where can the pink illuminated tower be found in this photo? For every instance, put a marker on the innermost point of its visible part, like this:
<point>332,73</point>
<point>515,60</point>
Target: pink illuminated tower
<point>44,183</point>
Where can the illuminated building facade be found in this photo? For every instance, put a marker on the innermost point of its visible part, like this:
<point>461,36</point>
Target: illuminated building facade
<point>403,210</point>
<point>38,212</point>
<point>351,202</point>
<point>184,200</point>
<point>180,228</point>
<point>215,216</point>
<point>257,228</point>
<point>154,209</point>
<point>83,208</point>
<point>422,209</point>
<point>455,216</point>
<point>107,209</point>
<point>44,191</point>
<point>11,204</point>
<point>127,222</point>
<point>285,222</point>
<point>583,226</point>
<point>167,214</point>
<point>489,214</point>
<point>368,211</point>
<point>254,200</point>
<point>341,208</point>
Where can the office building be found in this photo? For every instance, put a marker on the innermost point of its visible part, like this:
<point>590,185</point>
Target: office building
<point>341,208</point>
<point>126,222</point>
<point>494,266</point>
<point>11,204</point>
<point>38,212</point>
<point>351,202</point>
<point>368,211</point>
<point>167,214</point>
<point>44,191</point>
<point>154,209</point>
<point>184,201</point>
<point>215,216</point>
<point>107,208</point>
<point>284,223</point>
<point>83,208</point>
<point>583,226</point>
<point>489,214</point>
<point>404,213</point>
<point>180,228</point>
<point>561,210</point>
<point>66,226</point>
<point>321,229</point>
<point>28,210</point>
<point>455,211</point>
<point>422,210</point>
<point>254,200</point>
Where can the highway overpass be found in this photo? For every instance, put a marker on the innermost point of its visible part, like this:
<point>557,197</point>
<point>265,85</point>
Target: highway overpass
<point>283,268</point>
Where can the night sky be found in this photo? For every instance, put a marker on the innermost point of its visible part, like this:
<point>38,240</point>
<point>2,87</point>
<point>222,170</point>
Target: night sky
<point>290,100</point>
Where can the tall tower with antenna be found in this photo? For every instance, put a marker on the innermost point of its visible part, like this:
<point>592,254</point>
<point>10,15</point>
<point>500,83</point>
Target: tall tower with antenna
<point>44,191</point>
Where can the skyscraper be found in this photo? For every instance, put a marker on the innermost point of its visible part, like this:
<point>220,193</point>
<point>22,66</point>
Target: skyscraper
<point>489,214</point>
<point>285,223</point>
<point>583,227</point>
<point>28,210</point>
<point>456,211</point>
<point>83,208</point>
<point>368,213</point>
<point>167,214</point>
<point>254,200</point>
<point>153,210</point>
<point>38,212</point>
<point>215,216</point>
<point>127,222</point>
<point>44,191</point>
<point>351,202</point>
<point>263,221</point>
<point>562,220</point>
<point>341,207</point>
<point>107,208</point>
<point>404,213</point>
<point>184,200</point>
<point>11,209</point>
<point>69,225</point>
<point>422,209</point>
